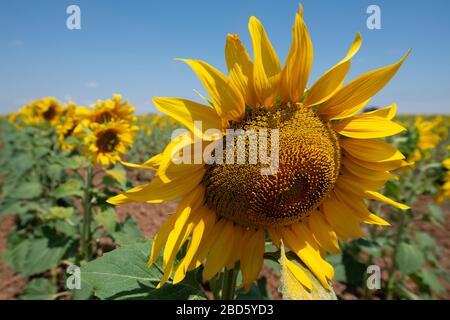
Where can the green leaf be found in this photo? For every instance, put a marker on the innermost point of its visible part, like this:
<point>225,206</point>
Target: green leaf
<point>71,140</point>
<point>67,227</point>
<point>32,256</point>
<point>84,293</point>
<point>409,258</point>
<point>369,247</point>
<point>127,232</point>
<point>58,213</point>
<point>39,289</point>
<point>54,171</point>
<point>71,187</point>
<point>123,274</point>
<point>257,291</point>
<point>430,279</point>
<point>107,219</point>
<point>73,163</point>
<point>27,190</point>
<point>436,212</point>
<point>426,242</point>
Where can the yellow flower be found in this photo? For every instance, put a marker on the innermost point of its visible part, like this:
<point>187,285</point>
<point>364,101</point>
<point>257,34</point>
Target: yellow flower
<point>428,138</point>
<point>106,142</point>
<point>445,188</point>
<point>331,160</point>
<point>45,110</point>
<point>156,120</point>
<point>66,125</point>
<point>110,110</point>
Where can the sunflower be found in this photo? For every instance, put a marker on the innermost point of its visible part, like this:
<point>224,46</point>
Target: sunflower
<point>45,110</point>
<point>331,160</point>
<point>106,142</point>
<point>66,125</point>
<point>445,188</point>
<point>109,110</point>
<point>428,138</point>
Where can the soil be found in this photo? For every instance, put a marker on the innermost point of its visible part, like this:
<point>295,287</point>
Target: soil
<point>11,284</point>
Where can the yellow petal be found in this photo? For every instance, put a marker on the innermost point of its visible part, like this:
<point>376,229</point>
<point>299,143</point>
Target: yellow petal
<point>266,72</point>
<point>219,251</point>
<point>377,166</point>
<point>197,235</point>
<point>332,80</point>
<point>343,222</point>
<point>365,172</point>
<point>226,98</point>
<point>252,258</point>
<point>178,243</point>
<point>213,228</point>
<point>185,210</point>
<point>358,207</point>
<point>323,232</point>
<point>240,68</point>
<point>236,243</point>
<point>307,254</point>
<point>152,163</point>
<point>347,100</point>
<point>298,63</point>
<point>358,183</point>
<point>161,237</point>
<point>378,196</point>
<point>169,169</point>
<point>157,191</point>
<point>119,200</point>
<point>297,272</point>
<point>371,150</point>
<point>183,226</point>
<point>190,114</point>
<point>303,233</point>
<point>275,235</point>
<point>386,112</point>
<point>367,126</point>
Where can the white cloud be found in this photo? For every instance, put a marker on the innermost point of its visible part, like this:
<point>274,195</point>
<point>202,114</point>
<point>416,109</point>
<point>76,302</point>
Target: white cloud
<point>91,84</point>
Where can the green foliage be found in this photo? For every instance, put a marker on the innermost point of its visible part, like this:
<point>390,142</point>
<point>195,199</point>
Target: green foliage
<point>123,274</point>
<point>409,258</point>
<point>36,255</point>
<point>39,289</point>
<point>43,187</point>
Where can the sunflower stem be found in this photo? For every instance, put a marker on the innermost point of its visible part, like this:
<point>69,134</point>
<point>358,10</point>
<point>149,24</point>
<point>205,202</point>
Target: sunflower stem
<point>86,235</point>
<point>229,283</point>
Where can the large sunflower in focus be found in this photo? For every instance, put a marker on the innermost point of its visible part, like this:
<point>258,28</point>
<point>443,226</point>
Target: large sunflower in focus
<point>331,160</point>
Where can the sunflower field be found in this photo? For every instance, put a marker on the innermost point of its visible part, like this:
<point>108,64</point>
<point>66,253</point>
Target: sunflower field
<point>97,202</point>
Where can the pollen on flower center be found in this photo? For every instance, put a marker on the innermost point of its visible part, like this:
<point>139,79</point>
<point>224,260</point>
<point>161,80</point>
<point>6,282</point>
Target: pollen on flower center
<point>309,161</point>
<point>107,140</point>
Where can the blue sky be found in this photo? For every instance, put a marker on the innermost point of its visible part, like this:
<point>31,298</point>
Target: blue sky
<point>129,47</point>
